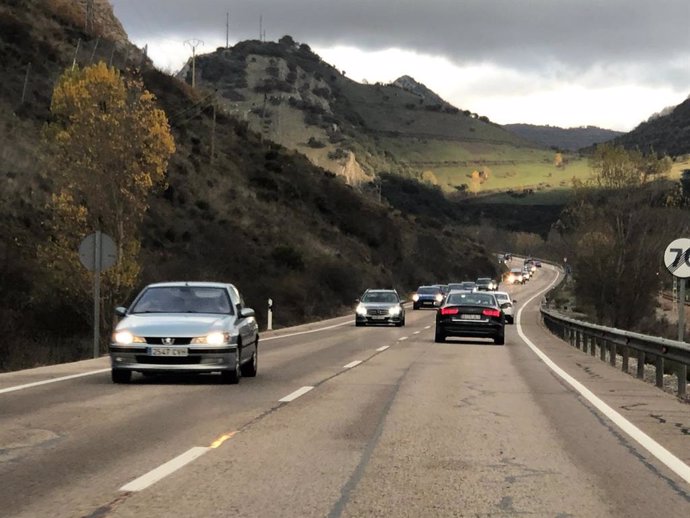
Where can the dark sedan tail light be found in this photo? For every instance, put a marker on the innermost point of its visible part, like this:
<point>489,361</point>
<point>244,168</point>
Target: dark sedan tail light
<point>449,311</point>
<point>491,313</point>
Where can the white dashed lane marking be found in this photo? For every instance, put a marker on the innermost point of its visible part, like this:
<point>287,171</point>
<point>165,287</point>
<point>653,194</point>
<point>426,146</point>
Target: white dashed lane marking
<point>381,349</point>
<point>352,364</point>
<point>294,395</point>
<point>164,470</point>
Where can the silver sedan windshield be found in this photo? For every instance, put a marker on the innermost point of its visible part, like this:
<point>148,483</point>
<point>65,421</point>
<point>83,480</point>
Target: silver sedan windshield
<point>183,299</point>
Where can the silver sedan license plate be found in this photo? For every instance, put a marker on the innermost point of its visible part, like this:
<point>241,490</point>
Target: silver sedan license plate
<point>378,317</point>
<point>168,351</point>
<point>470,317</point>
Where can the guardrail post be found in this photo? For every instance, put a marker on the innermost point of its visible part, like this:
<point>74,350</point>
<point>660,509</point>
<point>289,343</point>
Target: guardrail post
<point>641,358</point>
<point>602,350</point>
<point>578,338</point>
<point>659,371</point>
<point>626,357</point>
<point>612,354</point>
<point>593,348</point>
<point>682,374</point>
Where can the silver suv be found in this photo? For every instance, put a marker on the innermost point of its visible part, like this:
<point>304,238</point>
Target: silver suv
<point>380,307</point>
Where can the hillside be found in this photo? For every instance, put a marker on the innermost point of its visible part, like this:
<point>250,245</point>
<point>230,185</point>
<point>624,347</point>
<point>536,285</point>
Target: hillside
<point>291,96</point>
<point>667,134</point>
<point>567,139</point>
<point>255,213</point>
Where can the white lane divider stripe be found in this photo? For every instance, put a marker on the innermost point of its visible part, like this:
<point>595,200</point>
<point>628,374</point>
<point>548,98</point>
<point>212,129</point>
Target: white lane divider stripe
<point>657,450</point>
<point>383,348</point>
<point>297,393</point>
<point>416,332</point>
<point>427,327</point>
<point>401,339</point>
<point>352,364</point>
<point>53,380</point>
<point>164,470</point>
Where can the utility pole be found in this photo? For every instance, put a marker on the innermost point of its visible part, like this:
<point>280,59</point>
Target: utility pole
<point>261,27</point>
<point>227,30</point>
<point>193,43</point>
<point>76,53</point>
<point>213,131</point>
<point>90,15</point>
<point>26,82</point>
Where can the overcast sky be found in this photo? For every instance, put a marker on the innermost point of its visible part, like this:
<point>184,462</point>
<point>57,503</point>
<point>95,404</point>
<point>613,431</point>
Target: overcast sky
<point>610,63</point>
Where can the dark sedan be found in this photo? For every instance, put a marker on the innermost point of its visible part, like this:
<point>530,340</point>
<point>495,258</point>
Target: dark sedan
<point>427,296</point>
<point>470,315</point>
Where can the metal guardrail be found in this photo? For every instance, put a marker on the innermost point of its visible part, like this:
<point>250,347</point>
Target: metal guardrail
<point>666,355</point>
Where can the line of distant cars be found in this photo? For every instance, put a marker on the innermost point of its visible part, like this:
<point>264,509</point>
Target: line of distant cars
<point>522,274</point>
<point>468,309</point>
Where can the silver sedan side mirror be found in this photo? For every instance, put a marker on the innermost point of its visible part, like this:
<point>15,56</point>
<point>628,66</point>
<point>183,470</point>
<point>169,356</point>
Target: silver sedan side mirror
<point>247,312</point>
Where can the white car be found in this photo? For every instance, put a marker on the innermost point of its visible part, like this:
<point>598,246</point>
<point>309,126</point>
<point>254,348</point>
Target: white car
<point>506,304</point>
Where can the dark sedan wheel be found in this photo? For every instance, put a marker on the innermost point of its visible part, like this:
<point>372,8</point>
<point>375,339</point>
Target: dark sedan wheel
<point>121,376</point>
<point>359,324</point>
<point>415,306</point>
<point>440,336</point>
<point>250,368</point>
<point>500,340</point>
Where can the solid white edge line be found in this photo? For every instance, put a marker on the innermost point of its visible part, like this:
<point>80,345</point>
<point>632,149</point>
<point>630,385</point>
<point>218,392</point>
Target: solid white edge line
<point>164,470</point>
<point>657,450</point>
<point>306,332</point>
<point>352,364</point>
<point>294,395</point>
<point>383,348</point>
<point>53,380</point>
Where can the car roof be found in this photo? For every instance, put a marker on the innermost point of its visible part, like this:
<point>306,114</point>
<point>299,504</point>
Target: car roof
<point>193,284</point>
<point>381,290</point>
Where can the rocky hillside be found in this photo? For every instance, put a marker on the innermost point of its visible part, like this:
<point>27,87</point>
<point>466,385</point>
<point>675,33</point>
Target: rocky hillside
<point>254,213</point>
<point>566,139</point>
<point>289,95</point>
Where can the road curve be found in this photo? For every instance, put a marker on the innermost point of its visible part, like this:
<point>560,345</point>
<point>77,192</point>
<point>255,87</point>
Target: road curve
<point>346,421</point>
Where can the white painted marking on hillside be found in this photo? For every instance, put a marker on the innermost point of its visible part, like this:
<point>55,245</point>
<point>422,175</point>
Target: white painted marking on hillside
<point>164,470</point>
<point>352,364</point>
<point>53,380</point>
<point>297,393</point>
<point>383,348</point>
<point>657,450</point>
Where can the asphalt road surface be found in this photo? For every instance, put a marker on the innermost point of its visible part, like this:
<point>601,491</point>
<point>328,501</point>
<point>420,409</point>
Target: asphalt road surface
<point>373,422</point>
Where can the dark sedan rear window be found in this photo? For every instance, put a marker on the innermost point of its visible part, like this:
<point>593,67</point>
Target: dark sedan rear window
<point>478,299</point>
<point>183,299</point>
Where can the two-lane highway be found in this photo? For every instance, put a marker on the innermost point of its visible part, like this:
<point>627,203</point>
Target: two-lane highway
<point>345,421</point>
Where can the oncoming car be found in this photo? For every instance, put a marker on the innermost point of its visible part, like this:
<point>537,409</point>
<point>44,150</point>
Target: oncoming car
<point>380,307</point>
<point>470,315</point>
<point>427,296</point>
<point>198,327</point>
<point>515,276</point>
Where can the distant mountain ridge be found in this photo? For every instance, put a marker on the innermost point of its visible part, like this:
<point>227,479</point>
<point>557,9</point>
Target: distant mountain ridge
<point>667,134</point>
<point>567,139</point>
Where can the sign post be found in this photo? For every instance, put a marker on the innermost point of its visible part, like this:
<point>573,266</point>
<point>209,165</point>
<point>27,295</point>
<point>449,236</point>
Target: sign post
<point>97,252</point>
<point>269,325</point>
<point>677,260</point>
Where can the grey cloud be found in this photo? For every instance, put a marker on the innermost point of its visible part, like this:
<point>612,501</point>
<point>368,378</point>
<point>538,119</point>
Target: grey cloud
<point>527,35</point>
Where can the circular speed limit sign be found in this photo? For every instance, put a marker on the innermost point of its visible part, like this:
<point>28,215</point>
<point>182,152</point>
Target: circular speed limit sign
<point>677,258</point>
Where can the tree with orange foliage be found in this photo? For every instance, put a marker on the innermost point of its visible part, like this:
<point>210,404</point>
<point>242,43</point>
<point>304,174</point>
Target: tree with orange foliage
<point>110,146</point>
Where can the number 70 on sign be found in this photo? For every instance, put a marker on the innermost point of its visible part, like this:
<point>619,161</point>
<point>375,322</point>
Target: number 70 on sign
<point>677,258</point>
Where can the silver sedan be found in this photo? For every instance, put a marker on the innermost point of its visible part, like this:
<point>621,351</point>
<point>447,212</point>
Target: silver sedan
<point>198,327</point>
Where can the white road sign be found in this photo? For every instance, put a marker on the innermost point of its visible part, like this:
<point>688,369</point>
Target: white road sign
<point>677,258</point>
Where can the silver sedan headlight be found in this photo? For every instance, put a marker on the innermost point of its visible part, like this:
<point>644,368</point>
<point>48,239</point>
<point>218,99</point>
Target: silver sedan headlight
<point>394,311</point>
<point>215,338</point>
<point>126,338</point>
<point>361,310</point>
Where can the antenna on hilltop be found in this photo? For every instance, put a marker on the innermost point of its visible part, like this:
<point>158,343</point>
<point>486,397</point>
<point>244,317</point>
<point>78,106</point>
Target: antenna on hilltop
<point>261,30</point>
<point>227,30</point>
<point>193,43</point>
